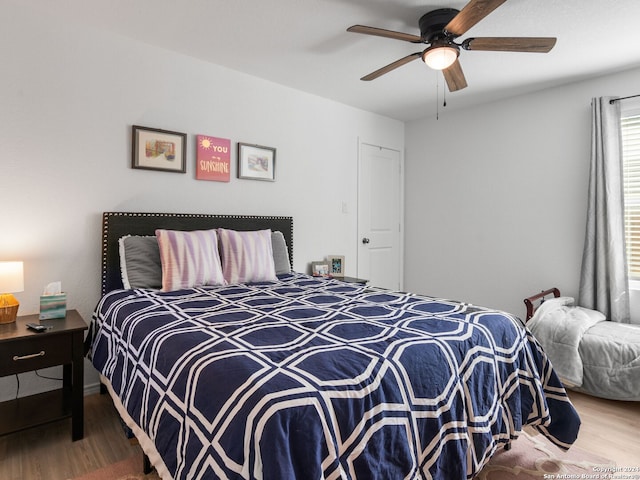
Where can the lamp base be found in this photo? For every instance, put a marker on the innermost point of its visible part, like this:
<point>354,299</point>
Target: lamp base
<point>8,308</point>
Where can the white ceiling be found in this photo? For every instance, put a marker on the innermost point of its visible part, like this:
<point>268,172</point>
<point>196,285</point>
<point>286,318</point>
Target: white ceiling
<point>304,44</point>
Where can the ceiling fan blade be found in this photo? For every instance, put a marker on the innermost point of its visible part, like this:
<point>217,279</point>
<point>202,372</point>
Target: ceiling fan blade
<point>391,66</point>
<point>454,77</point>
<point>381,32</point>
<point>510,44</point>
<point>472,13</point>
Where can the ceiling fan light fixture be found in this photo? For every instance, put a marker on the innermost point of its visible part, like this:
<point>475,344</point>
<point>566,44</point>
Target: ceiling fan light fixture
<point>440,57</point>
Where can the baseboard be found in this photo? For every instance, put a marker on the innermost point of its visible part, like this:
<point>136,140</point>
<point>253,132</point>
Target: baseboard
<point>92,388</point>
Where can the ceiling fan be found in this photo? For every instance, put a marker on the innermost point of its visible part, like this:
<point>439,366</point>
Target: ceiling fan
<point>439,28</point>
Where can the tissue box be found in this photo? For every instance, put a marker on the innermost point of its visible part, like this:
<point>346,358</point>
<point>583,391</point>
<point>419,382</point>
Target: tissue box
<point>53,306</point>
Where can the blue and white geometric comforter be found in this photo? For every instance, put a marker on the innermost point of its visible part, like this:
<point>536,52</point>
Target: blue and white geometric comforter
<point>311,378</point>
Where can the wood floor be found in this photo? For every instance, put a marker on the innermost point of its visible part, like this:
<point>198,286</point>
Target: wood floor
<point>47,452</point>
<point>610,429</point>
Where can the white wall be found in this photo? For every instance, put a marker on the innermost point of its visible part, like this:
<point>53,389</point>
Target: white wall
<point>68,98</point>
<point>496,195</point>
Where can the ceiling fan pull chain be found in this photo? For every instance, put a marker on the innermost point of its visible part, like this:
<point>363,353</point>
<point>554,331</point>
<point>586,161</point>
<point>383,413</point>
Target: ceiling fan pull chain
<point>437,97</point>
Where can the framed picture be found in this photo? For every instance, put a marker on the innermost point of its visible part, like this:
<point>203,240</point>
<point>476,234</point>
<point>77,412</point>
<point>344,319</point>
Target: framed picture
<point>336,266</point>
<point>213,158</point>
<point>320,269</point>
<point>155,149</point>
<point>256,162</point>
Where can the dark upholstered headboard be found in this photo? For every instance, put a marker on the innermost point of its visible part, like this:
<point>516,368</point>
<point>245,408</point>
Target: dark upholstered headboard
<point>118,224</point>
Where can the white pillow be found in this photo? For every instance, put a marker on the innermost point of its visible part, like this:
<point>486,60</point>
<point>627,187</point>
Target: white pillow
<point>548,306</point>
<point>246,256</point>
<point>556,302</point>
<point>189,259</point>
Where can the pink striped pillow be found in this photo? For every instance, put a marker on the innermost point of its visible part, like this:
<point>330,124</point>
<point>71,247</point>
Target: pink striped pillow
<point>246,256</point>
<point>189,259</point>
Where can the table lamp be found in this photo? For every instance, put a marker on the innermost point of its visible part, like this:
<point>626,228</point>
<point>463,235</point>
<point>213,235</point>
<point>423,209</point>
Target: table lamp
<point>11,281</point>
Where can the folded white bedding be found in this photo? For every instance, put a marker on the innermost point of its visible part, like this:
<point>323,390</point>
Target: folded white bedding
<point>610,352</point>
<point>559,327</point>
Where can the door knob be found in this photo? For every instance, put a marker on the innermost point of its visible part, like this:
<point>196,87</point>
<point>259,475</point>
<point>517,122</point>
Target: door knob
<point>365,240</point>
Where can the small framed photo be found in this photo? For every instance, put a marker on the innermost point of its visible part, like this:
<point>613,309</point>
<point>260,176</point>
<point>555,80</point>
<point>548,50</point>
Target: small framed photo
<point>256,162</point>
<point>336,265</point>
<point>155,149</point>
<point>320,269</point>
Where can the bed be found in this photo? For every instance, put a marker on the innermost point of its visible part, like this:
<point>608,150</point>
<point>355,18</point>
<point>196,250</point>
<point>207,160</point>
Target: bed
<point>589,353</point>
<point>301,377</point>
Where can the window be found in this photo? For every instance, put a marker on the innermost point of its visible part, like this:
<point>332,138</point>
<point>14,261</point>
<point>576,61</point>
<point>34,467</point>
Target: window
<point>630,126</point>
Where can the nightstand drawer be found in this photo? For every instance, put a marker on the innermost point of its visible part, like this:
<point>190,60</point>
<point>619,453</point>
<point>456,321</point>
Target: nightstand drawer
<point>34,353</point>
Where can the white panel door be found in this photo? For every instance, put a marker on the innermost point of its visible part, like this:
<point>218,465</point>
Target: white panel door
<point>379,214</point>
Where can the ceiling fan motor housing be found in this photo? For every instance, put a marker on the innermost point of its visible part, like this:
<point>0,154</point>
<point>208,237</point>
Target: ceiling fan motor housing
<point>432,24</point>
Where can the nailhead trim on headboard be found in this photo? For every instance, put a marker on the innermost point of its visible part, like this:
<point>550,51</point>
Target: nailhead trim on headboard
<point>118,224</point>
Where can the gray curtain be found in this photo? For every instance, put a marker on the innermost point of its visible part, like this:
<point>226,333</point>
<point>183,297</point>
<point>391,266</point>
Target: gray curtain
<point>604,285</point>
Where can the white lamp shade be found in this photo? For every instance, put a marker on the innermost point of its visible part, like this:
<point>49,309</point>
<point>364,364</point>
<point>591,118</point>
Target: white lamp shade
<point>440,58</point>
<point>11,277</point>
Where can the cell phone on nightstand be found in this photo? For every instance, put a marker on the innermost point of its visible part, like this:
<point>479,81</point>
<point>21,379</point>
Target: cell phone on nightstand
<point>36,327</point>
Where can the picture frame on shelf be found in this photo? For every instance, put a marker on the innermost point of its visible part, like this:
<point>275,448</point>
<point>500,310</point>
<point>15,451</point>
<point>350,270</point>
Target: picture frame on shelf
<point>320,269</point>
<point>157,149</point>
<point>256,162</point>
<point>336,265</point>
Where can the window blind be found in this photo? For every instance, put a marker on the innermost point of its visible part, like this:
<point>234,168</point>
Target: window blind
<point>631,179</point>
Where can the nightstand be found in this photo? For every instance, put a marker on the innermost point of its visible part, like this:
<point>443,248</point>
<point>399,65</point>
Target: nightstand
<point>22,350</point>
